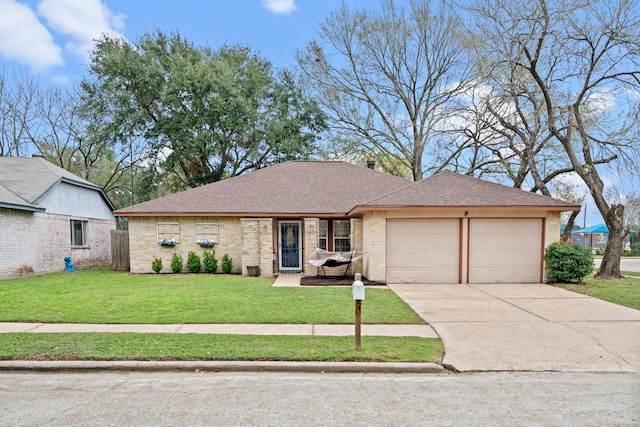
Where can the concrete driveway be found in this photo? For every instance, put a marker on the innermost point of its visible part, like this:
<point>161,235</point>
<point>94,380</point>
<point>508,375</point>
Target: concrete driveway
<point>527,327</point>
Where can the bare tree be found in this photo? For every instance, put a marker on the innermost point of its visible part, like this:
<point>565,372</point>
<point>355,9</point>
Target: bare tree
<point>581,57</point>
<point>387,78</point>
<point>17,103</point>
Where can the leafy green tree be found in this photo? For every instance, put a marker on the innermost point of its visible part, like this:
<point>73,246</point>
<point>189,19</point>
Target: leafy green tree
<point>205,114</point>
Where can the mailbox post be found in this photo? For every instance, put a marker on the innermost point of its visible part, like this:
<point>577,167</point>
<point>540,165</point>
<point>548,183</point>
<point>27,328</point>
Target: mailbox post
<point>358,296</point>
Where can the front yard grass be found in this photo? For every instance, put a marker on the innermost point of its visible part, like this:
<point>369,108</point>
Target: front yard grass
<point>104,296</point>
<point>624,292</point>
<point>108,297</point>
<point>129,346</point>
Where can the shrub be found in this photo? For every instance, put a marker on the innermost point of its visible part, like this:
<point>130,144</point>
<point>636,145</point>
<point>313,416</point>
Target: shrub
<point>193,262</point>
<point>227,264</point>
<point>176,263</point>
<point>210,262</point>
<point>598,251</point>
<point>568,262</point>
<point>627,252</point>
<point>156,265</point>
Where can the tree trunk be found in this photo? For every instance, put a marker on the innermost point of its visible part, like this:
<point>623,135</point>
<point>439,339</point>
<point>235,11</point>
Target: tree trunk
<point>610,266</point>
<point>566,234</point>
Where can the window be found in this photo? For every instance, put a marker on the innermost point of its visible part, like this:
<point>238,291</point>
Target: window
<point>207,232</point>
<point>323,233</point>
<point>341,236</point>
<point>79,233</point>
<point>168,231</point>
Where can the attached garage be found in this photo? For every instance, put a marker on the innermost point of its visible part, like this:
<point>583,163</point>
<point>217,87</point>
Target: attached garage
<point>505,250</point>
<point>423,250</point>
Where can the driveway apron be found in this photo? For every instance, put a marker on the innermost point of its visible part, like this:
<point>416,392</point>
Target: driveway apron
<point>527,327</point>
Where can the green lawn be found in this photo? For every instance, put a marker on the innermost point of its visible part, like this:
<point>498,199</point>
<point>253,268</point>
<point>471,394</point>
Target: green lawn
<point>623,292</point>
<point>126,346</point>
<point>105,296</point>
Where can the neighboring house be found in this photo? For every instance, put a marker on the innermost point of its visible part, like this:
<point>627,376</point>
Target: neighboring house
<point>47,213</point>
<point>596,237</point>
<point>448,228</point>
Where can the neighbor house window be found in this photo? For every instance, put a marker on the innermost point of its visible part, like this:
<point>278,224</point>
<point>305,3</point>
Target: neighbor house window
<point>341,236</point>
<point>79,235</point>
<point>207,232</point>
<point>323,233</point>
<point>168,231</point>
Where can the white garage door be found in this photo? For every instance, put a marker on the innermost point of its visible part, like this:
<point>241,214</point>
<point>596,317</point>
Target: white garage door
<point>505,250</point>
<point>423,250</point>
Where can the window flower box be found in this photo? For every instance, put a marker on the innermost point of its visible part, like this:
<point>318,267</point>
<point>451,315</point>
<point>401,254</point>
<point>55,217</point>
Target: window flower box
<point>167,242</point>
<point>206,243</point>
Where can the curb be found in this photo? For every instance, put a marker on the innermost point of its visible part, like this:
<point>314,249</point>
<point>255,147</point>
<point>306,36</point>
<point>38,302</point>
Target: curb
<point>220,366</point>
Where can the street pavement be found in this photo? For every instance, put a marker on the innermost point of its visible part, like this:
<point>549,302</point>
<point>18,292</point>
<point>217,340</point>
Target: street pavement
<point>626,263</point>
<point>294,399</point>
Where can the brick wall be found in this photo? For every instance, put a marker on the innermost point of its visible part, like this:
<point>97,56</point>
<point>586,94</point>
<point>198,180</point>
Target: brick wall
<point>257,244</point>
<point>311,227</point>
<point>374,238</point>
<point>144,247</point>
<point>36,242</point>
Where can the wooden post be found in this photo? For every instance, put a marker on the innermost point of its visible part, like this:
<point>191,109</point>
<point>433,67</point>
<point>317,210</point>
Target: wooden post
<point>358,322</point>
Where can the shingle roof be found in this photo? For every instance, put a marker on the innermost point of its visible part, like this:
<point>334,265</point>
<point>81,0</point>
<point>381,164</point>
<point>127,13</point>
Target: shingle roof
<point>299,188</point>
<point>449,189</point>
<point>290,188</point>
<point>27,179</point>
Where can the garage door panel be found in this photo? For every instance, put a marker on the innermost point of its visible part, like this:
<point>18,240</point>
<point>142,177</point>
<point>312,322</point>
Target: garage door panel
<point>505,250</point>
<point>423,251</point>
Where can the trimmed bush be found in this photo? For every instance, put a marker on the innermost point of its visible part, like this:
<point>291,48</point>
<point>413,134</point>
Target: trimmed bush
<point>193,262</point>
<point>210,262</point>
<point>156,265</point>
<point>176,263</point>
<point>568,262</point>
<point>227,264</point>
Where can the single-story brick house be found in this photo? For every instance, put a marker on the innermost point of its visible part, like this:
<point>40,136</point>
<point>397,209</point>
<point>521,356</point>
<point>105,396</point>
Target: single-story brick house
<point>47,213</point>
<point>447,228</point>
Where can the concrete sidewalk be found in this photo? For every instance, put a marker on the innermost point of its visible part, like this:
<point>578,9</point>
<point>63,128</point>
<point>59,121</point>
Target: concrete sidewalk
<point>424,331</point>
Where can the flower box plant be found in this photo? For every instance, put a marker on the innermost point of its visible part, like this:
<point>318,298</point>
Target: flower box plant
<point>167,242</point>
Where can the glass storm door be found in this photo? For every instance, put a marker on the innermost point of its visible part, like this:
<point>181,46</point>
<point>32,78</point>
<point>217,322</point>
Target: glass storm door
<point>290,251</point>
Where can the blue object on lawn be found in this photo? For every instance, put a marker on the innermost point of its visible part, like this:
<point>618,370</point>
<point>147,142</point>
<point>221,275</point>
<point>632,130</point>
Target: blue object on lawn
<point>68,265</point>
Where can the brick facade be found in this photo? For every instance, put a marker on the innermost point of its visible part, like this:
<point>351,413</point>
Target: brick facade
<point>144,247</point>
<point>250,241</point>
<point>257,244</point>
<point>36,243</point>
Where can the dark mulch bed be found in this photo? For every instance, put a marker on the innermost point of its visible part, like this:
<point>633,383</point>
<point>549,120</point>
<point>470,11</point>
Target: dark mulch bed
<point>335,281</point>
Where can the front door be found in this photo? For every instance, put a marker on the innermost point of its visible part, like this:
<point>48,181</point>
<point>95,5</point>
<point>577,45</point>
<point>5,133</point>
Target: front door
<point>290,245</point>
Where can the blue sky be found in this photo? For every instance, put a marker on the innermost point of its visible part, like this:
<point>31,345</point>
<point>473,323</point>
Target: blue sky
<point>51,38</point>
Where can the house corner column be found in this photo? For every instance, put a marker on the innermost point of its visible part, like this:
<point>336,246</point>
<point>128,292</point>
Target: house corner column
<point>266,247</point>
<point>250,231</point>
<point>374,243</point>
<point>356,243</point>
<point>310,244</point>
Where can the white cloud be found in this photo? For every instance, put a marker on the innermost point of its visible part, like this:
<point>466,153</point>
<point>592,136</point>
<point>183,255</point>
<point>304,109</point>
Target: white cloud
<point>24,39</point>
<point>83,21</point>
<point>280,6</point>
<point>601,101</point>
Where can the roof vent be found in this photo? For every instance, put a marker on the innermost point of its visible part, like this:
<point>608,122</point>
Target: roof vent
<point>37,155</point>
<point>371,164</point>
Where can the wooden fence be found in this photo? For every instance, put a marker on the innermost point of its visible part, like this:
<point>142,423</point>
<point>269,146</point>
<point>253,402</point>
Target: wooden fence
<point>120,250</point>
